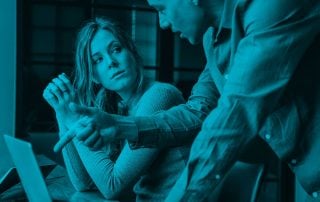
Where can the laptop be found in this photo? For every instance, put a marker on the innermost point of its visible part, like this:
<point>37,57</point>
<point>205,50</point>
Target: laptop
<point>28,169</point>
<point>31,177</point>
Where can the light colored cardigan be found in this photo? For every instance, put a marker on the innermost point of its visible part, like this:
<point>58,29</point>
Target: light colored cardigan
<point>153,171</point>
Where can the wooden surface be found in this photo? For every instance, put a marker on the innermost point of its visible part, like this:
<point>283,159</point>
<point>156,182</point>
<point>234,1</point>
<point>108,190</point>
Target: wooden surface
<point>60,188</point>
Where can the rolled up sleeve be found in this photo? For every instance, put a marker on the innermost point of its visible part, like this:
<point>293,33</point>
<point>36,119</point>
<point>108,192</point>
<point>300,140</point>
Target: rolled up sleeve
<point>179,125</point>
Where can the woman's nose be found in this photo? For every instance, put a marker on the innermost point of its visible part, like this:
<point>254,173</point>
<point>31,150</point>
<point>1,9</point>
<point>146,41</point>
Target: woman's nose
<point>163,22</point>
<point>112,62</point>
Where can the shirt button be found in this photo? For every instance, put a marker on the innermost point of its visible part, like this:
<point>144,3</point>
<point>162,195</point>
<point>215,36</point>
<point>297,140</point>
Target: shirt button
<point>315,194</point>
<point>226,76</point>
<point>217,177</point>
<point>294,161</point>
<point>267,136</point>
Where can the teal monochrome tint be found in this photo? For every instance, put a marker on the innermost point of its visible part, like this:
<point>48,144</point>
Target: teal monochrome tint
<point>8,68</point>
<point>109,80</point>
<point>270,52</point>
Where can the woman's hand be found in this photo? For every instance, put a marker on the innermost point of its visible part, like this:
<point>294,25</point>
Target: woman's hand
<point>59,94</point>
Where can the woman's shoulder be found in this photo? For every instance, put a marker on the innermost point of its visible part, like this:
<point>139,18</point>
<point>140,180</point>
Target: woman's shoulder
<point>159,96</point>
<point>159,88</point>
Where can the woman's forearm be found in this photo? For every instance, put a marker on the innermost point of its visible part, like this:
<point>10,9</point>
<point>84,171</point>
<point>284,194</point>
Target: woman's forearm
<point>75,169</point>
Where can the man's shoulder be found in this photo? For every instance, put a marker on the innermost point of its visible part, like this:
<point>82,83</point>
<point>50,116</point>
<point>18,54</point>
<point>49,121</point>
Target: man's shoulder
<point>273,12</point>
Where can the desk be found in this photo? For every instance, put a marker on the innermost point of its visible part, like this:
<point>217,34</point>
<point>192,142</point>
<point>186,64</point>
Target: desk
<point>59,187</point>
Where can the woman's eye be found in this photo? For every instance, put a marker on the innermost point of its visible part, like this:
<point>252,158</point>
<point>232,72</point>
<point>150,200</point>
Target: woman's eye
<point>97,60</point>
<point>116,49</point>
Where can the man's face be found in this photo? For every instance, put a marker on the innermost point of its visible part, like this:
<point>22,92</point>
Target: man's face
<point>181,16</point>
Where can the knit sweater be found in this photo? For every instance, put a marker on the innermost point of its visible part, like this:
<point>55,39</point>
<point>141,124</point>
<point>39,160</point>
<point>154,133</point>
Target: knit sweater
<point>153,171</point>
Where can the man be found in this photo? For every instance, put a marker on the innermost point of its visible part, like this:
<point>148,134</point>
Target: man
<point>261,78</point>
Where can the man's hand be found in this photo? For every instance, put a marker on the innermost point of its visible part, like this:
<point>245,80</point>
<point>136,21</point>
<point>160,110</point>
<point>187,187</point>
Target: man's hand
<point>207,39</point>
<point>94,126</point>
<point>84,131</point>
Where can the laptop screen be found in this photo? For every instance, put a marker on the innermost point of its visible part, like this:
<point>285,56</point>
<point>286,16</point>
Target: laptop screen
<point>28,169</point>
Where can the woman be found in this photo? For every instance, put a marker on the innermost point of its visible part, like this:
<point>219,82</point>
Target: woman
<point>109,77</point>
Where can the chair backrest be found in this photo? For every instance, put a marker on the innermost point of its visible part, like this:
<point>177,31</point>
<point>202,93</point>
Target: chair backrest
<point>242,183</point>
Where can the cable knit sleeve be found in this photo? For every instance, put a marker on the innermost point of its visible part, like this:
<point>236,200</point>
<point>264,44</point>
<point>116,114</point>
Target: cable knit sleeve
<point>77,173</point>
<point>159,97</point>
<point>112,177</point>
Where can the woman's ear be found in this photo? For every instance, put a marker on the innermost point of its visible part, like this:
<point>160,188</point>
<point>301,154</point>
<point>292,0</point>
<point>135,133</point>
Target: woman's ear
<point>195,2</point>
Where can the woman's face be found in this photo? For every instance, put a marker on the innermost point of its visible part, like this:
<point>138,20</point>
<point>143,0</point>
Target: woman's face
<point>114,65</point>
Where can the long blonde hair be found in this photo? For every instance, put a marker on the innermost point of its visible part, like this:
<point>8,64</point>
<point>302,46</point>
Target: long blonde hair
<point>89,93</point>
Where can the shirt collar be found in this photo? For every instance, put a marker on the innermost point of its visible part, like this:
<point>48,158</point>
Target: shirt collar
<point>226,17</point>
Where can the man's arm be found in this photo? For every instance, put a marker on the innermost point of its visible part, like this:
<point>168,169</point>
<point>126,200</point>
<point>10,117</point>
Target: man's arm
<point>176,126</point>
<point>180,124</point>
<point>112,177</point>
<point>264,63</point>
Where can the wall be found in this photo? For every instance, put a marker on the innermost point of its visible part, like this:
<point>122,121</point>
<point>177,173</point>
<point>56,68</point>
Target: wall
<point>7,75</point>
<point>8,65</point>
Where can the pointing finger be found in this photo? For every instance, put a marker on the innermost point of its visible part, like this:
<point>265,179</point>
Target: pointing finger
<point>64,141</point>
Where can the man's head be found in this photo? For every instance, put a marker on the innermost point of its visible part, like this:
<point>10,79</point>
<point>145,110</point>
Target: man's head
<point>183,16</point>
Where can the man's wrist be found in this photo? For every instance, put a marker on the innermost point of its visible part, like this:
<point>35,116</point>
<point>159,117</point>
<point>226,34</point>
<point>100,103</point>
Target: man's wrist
<point>127,128</point>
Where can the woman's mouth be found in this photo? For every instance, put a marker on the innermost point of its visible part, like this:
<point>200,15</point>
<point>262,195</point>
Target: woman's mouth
<point>118,74</point>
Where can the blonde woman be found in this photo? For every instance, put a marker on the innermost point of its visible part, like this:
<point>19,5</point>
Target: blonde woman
<point>109,77</point>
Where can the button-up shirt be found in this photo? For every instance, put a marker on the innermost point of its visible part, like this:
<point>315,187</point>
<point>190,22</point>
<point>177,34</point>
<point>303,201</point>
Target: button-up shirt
<point>252,58</point>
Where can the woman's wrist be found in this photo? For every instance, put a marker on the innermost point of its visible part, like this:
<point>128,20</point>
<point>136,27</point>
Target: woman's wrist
<point>62,130</point>
<point>61,125</point>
